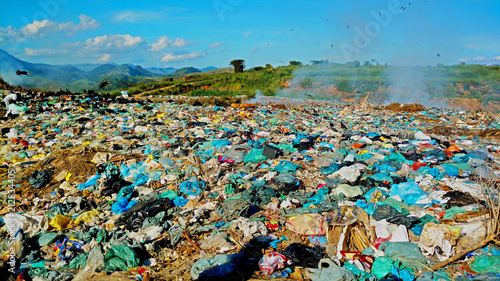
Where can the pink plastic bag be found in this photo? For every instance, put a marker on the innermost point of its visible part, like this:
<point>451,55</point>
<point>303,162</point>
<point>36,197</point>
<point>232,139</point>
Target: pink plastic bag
<point>273,261</point>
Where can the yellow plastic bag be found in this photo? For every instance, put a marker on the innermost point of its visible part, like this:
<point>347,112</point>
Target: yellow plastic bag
<point>60,222</point>
<point>308,224</point>
<point>87,216</point>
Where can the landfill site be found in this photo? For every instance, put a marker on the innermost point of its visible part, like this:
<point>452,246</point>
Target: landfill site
<point>98,187</point>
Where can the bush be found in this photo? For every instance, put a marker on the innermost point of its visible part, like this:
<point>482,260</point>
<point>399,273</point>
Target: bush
<point>345,86</point>
<point>306,83</point>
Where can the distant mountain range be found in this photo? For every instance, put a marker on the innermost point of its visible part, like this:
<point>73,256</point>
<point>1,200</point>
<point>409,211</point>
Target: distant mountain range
<point>83,76</point>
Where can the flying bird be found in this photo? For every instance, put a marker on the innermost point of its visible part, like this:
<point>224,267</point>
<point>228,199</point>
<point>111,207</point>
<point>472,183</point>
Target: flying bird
<point>103,84</point>
<point>347,25</point>
<point>19,72</point>
<point>438,55</point>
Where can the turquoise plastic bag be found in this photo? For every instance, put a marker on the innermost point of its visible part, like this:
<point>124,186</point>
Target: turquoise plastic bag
<point>409,192</point>
<point>483,264</point>
<point>255,155</point>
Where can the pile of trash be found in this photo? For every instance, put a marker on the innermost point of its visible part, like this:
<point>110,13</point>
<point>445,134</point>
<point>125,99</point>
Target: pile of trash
<point>97,188</point>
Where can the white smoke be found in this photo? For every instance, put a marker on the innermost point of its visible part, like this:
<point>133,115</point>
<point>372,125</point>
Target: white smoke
<point>409,84</point>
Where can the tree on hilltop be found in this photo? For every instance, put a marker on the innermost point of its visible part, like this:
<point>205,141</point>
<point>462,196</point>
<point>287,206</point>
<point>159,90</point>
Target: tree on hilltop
<point>238,65</point>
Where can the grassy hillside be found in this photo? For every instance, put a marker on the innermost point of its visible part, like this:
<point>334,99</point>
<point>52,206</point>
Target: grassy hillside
<point>398,83</point>
<point>219,83</point>
<point>347,82</point>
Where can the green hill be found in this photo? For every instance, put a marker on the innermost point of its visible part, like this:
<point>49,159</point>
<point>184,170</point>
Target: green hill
<point>101,70</point>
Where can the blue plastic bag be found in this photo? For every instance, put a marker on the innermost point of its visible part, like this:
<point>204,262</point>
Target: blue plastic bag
<point>192,187</point>
<point>122,205</point>
<point>90,182</point>
<point>409,192</point>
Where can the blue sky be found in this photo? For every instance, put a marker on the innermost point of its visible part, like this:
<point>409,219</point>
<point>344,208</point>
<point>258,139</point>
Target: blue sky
<point>203,33</point>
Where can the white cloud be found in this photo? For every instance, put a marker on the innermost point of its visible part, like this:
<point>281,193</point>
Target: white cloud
<point>134,16</point>
<point>113,41</point>
<point>40,29</point>
<point>215,45</point>
<point>182,57</point>
<point>179,43</point>
<point>10,35</point>
<point>165,42</point>
<point>119,47</point>
<point>246,34</point>
<point>254,50</point>
<point>162,44</point>
<point>104,57</point>
<point>108,46</point>
<point>45,27</point>
<point>86,23</point>
<point>39,52</point>
<point>482,60</point>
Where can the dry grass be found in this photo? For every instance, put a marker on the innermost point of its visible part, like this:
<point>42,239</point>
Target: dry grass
<point>492,191</point>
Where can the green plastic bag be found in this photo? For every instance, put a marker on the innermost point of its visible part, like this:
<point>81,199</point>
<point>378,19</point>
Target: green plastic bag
<point>287,147</point>
<point>381,267</point>
<point>47,238</point>
<point>483,264</point>
<point>255,155</point>
<point>116,264</point>
<point>78,262</point>
<point>170,194</point>
<point>102,236</point>
<point>451,212</point>
<point>405,252</point>
<point>111,170</point>
<point>124,252</point>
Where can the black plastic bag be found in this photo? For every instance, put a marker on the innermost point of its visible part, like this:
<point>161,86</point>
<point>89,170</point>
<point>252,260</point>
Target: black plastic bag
<point>113,186</point>
<point>393,216</point>
<point>258,195</point>
<point>305,256</point>
<point>39,178</point>
<point>136,215</point>
<point>459,199</point>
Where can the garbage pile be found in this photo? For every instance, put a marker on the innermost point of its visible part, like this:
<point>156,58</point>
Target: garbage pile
<point>96,188</point>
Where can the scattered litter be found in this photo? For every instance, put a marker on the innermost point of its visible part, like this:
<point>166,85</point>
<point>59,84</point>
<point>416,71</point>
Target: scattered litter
<point>114,189</point>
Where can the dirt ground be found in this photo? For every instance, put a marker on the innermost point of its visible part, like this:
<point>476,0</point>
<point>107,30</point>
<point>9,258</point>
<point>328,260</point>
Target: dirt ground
<point>405,107</point>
